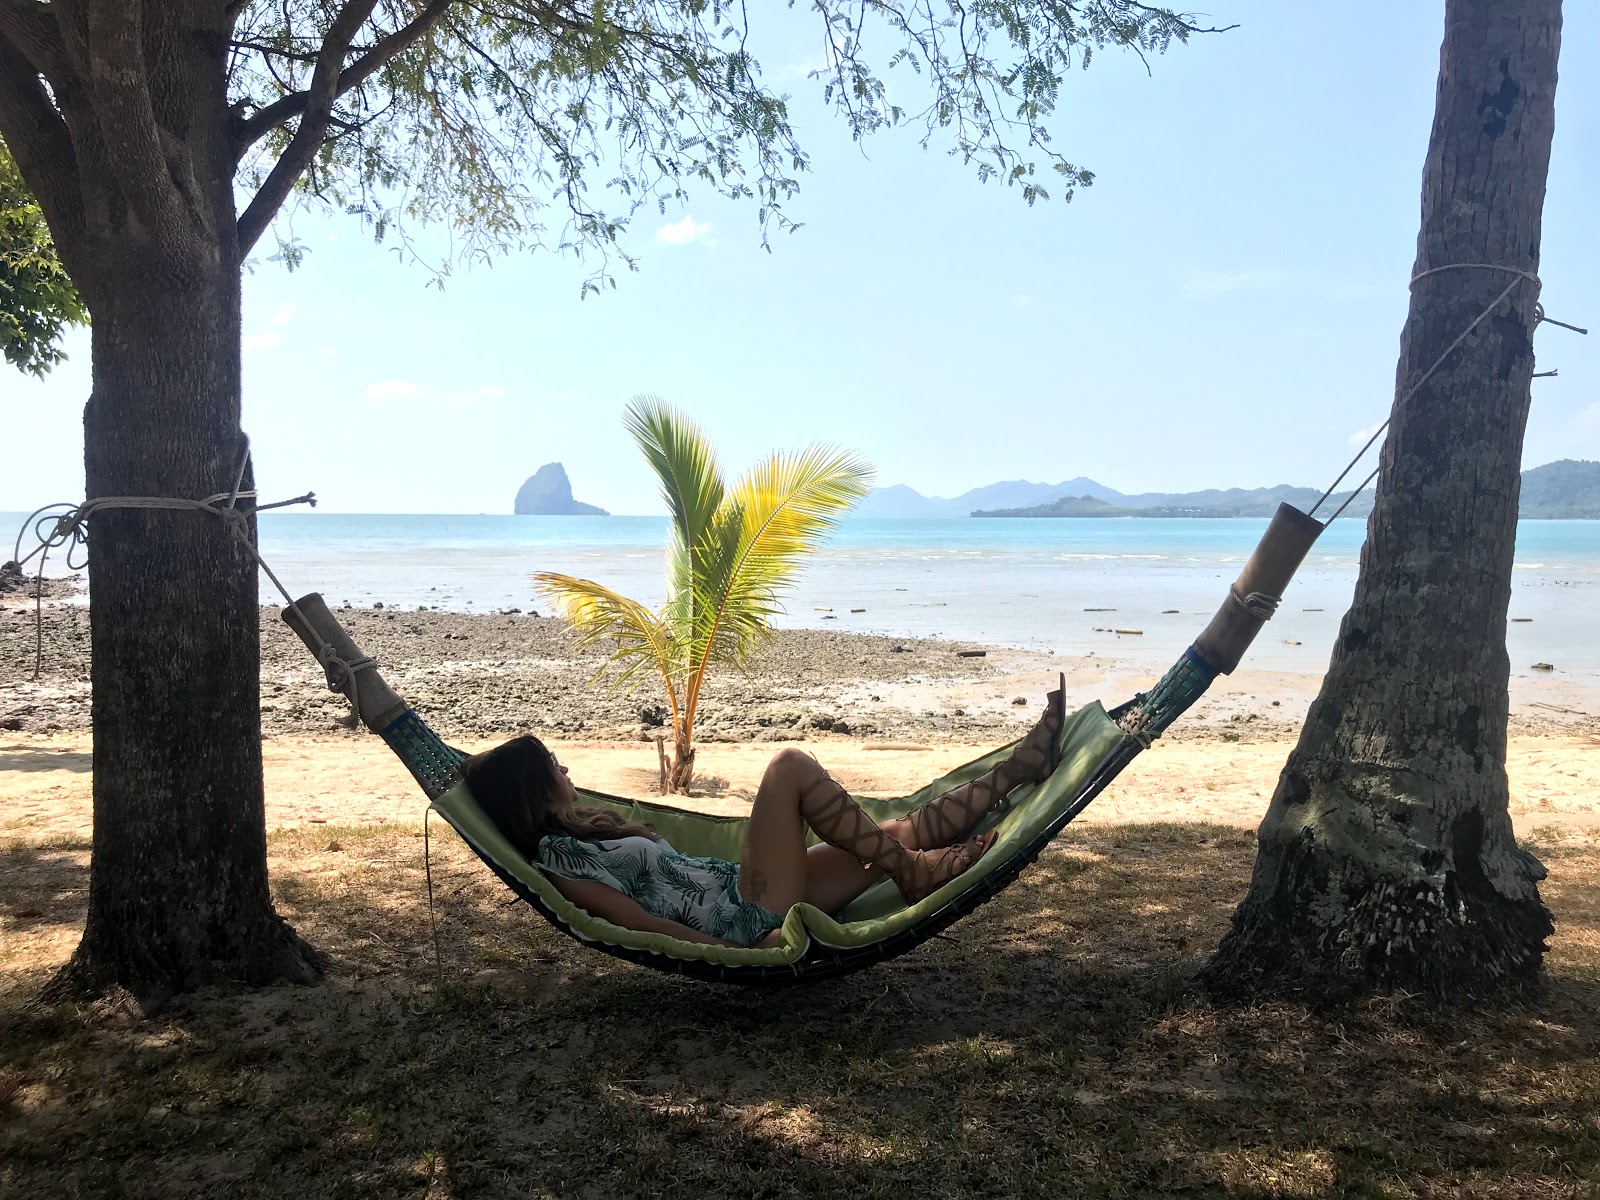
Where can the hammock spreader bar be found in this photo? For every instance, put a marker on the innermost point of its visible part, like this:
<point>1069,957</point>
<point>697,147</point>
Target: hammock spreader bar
<point>1097,746</point>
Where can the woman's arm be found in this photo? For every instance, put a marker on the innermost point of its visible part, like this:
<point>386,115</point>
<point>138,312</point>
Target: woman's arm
<point>600,900</point>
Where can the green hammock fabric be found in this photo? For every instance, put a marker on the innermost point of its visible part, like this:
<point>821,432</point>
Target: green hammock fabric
<point>1089,739</point>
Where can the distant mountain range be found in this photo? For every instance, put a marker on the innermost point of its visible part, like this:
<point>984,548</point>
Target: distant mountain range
<point>1568,488</point>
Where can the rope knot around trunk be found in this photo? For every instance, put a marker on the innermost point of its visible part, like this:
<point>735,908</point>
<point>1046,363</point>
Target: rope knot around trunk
<point>64,524</point>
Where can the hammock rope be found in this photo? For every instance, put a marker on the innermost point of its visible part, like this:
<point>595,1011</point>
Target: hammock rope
<point>1539,318</point>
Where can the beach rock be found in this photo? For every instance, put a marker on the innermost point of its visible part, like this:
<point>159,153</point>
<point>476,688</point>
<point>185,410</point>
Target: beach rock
<point>653,715</point>
<point>548,493</point>
<point>1019,700</point>
<point>1544,666</point>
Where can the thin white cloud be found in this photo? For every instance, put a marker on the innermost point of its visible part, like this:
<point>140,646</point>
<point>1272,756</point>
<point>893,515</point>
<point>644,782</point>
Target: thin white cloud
<point>284,315</point>
<point>493,391</point>
<point>1250,281</point>
<point>681,233</point>
<point>253,342</point>
<point>1360,436</point>
<point>391,389</point>
<point>1021,301</point>
<point>1587,419</point>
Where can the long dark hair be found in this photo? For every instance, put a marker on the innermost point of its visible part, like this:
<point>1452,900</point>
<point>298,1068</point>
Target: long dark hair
<point>516,785</point>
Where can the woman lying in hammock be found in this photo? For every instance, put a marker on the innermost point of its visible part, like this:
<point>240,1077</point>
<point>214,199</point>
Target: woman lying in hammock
<point>622,872</point>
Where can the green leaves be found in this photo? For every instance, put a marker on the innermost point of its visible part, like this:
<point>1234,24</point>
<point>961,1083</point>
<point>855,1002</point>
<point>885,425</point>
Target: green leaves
<point>731,555</point>
<point>524,124</point>
<point>37,299</point>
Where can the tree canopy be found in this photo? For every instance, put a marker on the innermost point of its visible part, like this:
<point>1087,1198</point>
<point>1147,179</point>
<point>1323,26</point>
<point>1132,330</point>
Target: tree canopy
<point>551,124</point>
<point>37,299</point>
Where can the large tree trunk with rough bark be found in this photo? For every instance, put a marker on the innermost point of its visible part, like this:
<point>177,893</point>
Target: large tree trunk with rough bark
<point>1387,858</point>
<point>178,886</point>
<point>136,176</point>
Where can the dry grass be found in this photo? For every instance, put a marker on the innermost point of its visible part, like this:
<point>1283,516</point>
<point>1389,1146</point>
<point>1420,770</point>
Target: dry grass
<point>1054,1048</point>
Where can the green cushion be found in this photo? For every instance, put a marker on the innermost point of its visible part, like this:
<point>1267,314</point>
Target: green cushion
<point>1088,737</point>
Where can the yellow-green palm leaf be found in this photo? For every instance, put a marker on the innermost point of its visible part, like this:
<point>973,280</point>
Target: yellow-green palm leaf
<point>598,614</point>
<point>772,519</point>
<point>686,467</point>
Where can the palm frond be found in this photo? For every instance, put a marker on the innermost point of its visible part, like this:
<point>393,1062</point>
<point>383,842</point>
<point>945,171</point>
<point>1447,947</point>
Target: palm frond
<point>769,522</point>
<point>598,614</point>
<point>691,481</point>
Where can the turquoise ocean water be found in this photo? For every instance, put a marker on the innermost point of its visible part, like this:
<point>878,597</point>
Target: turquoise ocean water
<point>999,581</point>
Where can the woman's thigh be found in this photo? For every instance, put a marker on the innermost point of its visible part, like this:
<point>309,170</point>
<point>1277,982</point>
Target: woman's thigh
<point>772,867</point>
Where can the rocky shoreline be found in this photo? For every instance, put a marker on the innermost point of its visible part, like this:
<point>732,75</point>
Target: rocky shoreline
<point>487,674</point>
<point>483,674</point>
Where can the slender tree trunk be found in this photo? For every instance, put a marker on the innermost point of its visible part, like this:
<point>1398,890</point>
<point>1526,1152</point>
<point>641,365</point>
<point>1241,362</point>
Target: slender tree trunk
<point>1387,857</point>
<point>682,773</point>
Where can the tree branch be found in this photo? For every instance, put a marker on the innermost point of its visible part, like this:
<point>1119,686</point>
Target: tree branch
<point>104,42</point>
<point>385,50</point>
<point>33,32</point>
<point>320,99</point>
<point>39,142</point>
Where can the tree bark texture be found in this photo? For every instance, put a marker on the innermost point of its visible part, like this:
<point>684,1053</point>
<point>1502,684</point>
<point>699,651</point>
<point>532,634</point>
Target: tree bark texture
<point>178,892</point>
<point>1387,858</point>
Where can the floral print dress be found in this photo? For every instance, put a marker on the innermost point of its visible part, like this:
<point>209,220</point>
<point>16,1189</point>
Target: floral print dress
<point>702,893</point>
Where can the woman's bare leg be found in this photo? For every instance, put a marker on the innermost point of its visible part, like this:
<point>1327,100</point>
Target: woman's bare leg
<point>776,870</point>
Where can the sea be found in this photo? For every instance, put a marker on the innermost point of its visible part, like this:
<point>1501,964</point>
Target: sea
<point>1062,584</point>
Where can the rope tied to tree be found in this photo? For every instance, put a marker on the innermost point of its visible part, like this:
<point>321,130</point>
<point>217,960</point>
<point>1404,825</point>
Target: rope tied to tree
<point>1539,318</point>
<point>64,524</point>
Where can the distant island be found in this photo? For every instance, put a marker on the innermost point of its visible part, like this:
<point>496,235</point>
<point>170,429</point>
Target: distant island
<point>1569,488</point>
<point>548,493</point>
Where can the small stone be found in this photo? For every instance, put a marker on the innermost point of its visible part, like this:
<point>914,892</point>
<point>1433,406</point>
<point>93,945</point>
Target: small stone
<point>377,604</point>
<point>972,653</point>
<point>1019,700</point>
<point>1544,666</point>
<point>1167,612</point>
<point>318,820</point>
<point>1275,703</point>
<point>11,723</point>
<point>898,650</point>
<point>335,847</point>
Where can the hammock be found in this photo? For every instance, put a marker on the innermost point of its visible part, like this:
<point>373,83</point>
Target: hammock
<point>878,925</point>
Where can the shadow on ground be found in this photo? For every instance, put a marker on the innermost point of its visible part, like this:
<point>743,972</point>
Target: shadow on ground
<point>21,757</point>
<point>1054,1047</point>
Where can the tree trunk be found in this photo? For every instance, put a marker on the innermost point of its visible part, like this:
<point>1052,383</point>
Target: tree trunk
<point>682,773</point>
<point>178,883</point>
<point>1387,857</point>
<point>178,894</point>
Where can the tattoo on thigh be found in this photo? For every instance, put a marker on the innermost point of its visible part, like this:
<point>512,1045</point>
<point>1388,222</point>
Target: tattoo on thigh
<point>756,882</point>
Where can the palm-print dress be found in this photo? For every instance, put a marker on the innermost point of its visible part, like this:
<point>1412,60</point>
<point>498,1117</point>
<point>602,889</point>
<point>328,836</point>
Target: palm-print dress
<point>702,893</point>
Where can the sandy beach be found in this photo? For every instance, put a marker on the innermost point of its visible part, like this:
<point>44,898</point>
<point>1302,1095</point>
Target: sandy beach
<point>884,714</point>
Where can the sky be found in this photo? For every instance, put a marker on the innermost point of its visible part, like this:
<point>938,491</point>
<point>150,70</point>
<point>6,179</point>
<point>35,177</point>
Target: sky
<point>1222,308</point>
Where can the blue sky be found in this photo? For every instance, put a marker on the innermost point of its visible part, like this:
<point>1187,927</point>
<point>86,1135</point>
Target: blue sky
<point>1221,308</point>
